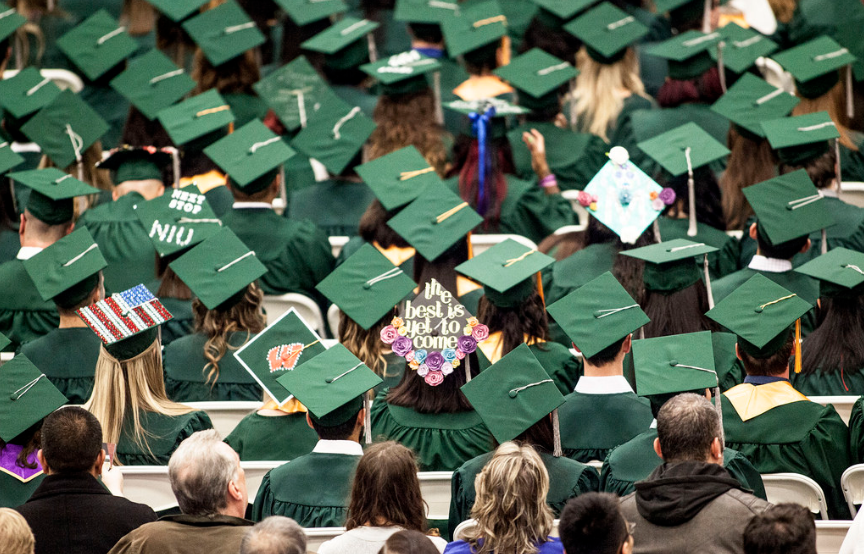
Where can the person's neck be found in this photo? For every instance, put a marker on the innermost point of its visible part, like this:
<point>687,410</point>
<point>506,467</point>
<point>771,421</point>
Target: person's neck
<point>28,241</point>
<point>783,375</point>
<point>234,509</point>
<point>613,369</point>
<point>71,321</point>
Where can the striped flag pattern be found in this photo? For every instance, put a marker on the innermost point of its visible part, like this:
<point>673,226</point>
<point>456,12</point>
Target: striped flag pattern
<point>124,314</point>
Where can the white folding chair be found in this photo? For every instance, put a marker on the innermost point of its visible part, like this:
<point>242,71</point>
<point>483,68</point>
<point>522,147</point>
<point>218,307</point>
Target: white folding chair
<point>63,78</point>
<point>470,524</point>
<point>336,245</point>
<point>569,229</point>
<point>830,536</point>
<point>255,472</point>
<point>226,415</point>
<point>852,192</point>
<point>435,489</point>
<point>306,308</point>
<point>316,536</point>
<point>736,233</point>
<point>843,404</point>
<point>6,356</point>
<point>852,483</point>
<point>596,464</point>
<point>572,196</point>
<point>482,243</point>
<point>333,313</point>
<point>795,488</point>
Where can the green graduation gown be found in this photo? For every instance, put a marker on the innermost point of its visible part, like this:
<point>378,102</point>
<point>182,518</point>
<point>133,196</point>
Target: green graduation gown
<point>313,490</point>
<point>720,263</point>
<point>68,358</point>
<point>165,435</point>
<point>355,243</point>
<point>835,383</point>
<point>622,133</point>
<point>275,438</point>
<point>442,442</point>
<point>10,243</point>
<point>856,431</point>
<point>344,202</point>
<point>635,460</point>
<point>24,316</point>
<point>729,368</point>
<point>182,324</point>
<point>186,378</point>
<point>14,492</point>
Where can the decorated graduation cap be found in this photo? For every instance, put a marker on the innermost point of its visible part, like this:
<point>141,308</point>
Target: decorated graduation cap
<point>801,138</point>
<point>177,220</point>
<point>607,32</point>
<point>177,10</point>
<point>478,25</point>
<point>399,177</point>
<point>435,221</point>
<point>366,286</point>
<point>128,163</point>
<point>27,92</point>
<point>153,82</point>
<point>402,73</point>
<point>538,76</point>
<point>224,32</point>
<point>671,266</point>
<point>304,12</point>
<point>127,322</point>
<point>506,272</point>
<point>740,48</point>
<point>513,394</point>
<point>674,364</point>
<point>335,135</point>
<point>555,13</point>
<point>598,314</point>
<point>815,66</point>
<point>251,156</point>
<point>68,270</point>
<point>750,101</point>
<point>97,44</point>
<point>295,92</point>
<point>26,397</point>
<point>426,11</point>
<point>195,117</point>
<point>345,45</point>
<point>687,53</point>
<point>279,349</point>
<point>840,273</point>
<point>53,190</point>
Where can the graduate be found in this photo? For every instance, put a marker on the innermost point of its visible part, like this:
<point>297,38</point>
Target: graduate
<point>602,411</point>
<point>546,29</point>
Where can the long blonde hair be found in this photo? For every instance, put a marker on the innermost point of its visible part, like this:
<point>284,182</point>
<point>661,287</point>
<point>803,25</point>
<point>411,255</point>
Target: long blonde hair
<point>597,99</point>
<point>363,343</point>
<point>833,102</point>
<point>511,510</point>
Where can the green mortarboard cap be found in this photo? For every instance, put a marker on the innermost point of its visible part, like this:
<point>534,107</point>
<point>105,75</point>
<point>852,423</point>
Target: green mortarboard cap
<point>177,10</point>
<point>506,272</point>
<point>135,164</point>
<point>331,385</point>
<point>277,350</point>
<point>71,260</point>
<point>218,268</point>
<point>687,53</point>
<point>761,313</point>
<point>750,101</point>
<point>674,364</point>
<point>403,73</point>
<point>10,21</point>
<point>9,159</point>
<point>27,92</point>
<point>814,65</point>
<point>513,394</point>
<point>249,155</point>
<point>224,32</point>
<point>65,127</point>
<point>399,177</point>
<point>788,206</point>
<point>607,32</point>
<point>840,272</point>
<point>343,43</point>
<point>177,220</point>
<point>196,117</point>
<point>304,12</point>
<point>153,82</point>
<point>564,9</point>
<point>476,26</point>
<point>537,74</point>
<point>4,342</point>
<point>800,138</point>
<point>426,11</point>
<point>295,92</point>
<point>742,47</point>
<point>335,135</point>
<point>434,221</point>
<point>366,286</point>
<point>670,266</point>
<point>26,397</point>
<point>598,314</point>
<point>97,44</point>
<point>669,149</point>
<point>53,191</point>
<point>664,6</point>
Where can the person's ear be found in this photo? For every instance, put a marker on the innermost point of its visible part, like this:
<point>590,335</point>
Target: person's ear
<point>627,547</point>
<point>806,246</point>
<point>234,490</point>
<point>42,462</point>
<point>708,395</point>
<point>361,419</point>
<point>100,459</point>
<point>657,449</point>
<point>627,344</point>
<point>69,229</point>
<point>738,352</point>
<point>753,233</point>
<point>309,420</point>
<point>717,450</point>
<point>22,225</point>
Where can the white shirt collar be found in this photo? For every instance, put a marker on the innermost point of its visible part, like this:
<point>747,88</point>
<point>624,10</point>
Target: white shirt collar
<point>829,193</point>
<point>613,384</point>
<point>653,424</point>
<point>28,252</point>
<point>770,265</point>
<point>252,205</point>
<point>349,448</point>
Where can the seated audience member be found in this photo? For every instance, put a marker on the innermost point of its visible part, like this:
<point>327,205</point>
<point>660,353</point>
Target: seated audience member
<point>274,535</point>
<point>781,529</point>
<point>15,535</point>
<point>210,487</point>
<point>710,509</point>
<point>593,524</point>
<point>72,511</point>
<point>408,542</point>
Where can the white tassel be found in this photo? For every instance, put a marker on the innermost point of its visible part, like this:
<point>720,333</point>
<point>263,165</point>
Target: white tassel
<point>721,67</point>
<point>691,192</point>
<point>824,242</point>
<point>467,369</point>
<point>367,405</point>
<point>556,431</point>
<point>718,405</point>
<point>850,100</point>
<point>708,285</point>
<point>436,87</point>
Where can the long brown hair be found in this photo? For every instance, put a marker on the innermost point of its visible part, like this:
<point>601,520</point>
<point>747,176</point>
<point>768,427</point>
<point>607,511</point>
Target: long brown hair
<point>446,398</point>
<point>677,313</point>
<point>386,490</point>
<point>838,343</point>
<point>365,343</point>
<point>232,77</point>
<point>750,162</point>
<point>31,440</point>
<point>833,102</point>
<point>528,318</point>
<point>373,226</point>
<point>139,16</point>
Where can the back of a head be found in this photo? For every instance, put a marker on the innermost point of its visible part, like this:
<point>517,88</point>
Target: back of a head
<point>71,440</point>
<point>592,524</point>
<point>408,542</point>
<point>686,426</point>
<point>782,529</point>
<point>15,535</point>
<point>200,471</point>
<point>274,535</point>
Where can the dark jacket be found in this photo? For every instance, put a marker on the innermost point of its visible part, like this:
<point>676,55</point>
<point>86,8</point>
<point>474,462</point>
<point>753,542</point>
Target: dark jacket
<point>72,512</point>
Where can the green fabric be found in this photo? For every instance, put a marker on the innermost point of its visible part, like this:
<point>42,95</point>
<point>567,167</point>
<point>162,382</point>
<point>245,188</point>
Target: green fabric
<point>594,424</point>
<point>720,263</point>
<point>246,107</point>
<point>856,431</point>
<point>186,377</point>
<point>452,75</point>
<point>183,322</point>
<point>635,460</point>
<point>112,107</point>
<point>345,203</point>
<point>78,348</point>
<point>836,383</point>
<point>567,479</point>
<point>10,242</point>
<point>295,490</point>
<point>354,96</point>
<point>274,438</point>
<point>562,367</point>
<point>730,370</point>
<point>220,199</point>
<point>24,316</point>
<point>853,160</point>
<point>165,435</point>
<point>13,492</point>
<point>442,442</point>
<point>620,132</point>
<point>801,437</point>
<point>392,372</point>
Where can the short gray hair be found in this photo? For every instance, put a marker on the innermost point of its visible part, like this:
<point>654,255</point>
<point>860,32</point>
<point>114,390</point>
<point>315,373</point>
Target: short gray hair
<point>200,472</point>
<point>274,535</point>
<point>686,426</point>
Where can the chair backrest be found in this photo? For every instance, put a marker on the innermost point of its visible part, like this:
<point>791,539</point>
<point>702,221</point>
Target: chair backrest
<point>306,308</point>
<point>573,197</point>
<point>435,489</point>
<point>226,415</point>
<point>852,483</point>
<point>843,404</point>
<point>333,313</point>
<point>831,535</point>
<point>482,243</point>
<point>63,78</point>
<point>336,244</point>
<point>852,192</point>
<point>316,536</point>
<point>470,524</point>
<point>6,356</point>
<point>569,229</point>
<point>795,488</point>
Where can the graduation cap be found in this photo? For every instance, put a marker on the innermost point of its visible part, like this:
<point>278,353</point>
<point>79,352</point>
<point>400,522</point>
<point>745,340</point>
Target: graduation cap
<point>366,286</point>
<point>224,32</point>
<point>27,92</point>
<point>178,220</point>
<point>506,272</point>
<point>127,322</point>
<point>10,21</point>
<point>513,394</point>
<point>280,348</point>
<point>426,11</point>
<point>68,270</point>
<point>555,13</point>
<point>671,266</point>
<point>801,138</point>
<point>682,12</point>
<point>135,164</point>
<point>26,397</point>
<point>538,76</point>
<point>598,314</point>
<point>65,128</point>
<point>196,116</point>
<point>399,177</point>
<point>343,43</point>
<point>304,12</point>
<point>607,32</point>
<point>741,48</point>
<point>814,65</point>
<point>335,135</point>
<point>435,221</point>
<point>687,53</point>
<point>750,101</point>
<point>97,44</point>
<point>476,26</point>
<point>674,364</point>
<point>250,156</point>
<point>53,191</point>
<point>153,82</point>
<point>177,10</point>
<point>9,159</point>
<point>295,92</point>
<point>840,273</point>
<point>402,73</point>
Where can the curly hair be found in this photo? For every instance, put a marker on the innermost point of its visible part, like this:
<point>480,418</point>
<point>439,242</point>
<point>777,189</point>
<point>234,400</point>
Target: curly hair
<point>366,344</point>
<point>529,318</point>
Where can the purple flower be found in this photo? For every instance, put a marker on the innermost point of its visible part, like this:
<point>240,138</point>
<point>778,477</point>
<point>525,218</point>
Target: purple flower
<point>467,344</point>
<point>422,370</point>
<point>435,360</point>
<point>402,346</point>
<point>667,195</point>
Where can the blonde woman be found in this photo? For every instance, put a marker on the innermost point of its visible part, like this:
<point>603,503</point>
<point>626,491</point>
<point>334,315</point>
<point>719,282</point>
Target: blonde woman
<point>511,511</point>
<point>15,534</point>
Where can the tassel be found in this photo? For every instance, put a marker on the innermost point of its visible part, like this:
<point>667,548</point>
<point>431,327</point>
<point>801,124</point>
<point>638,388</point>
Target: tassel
<point>373,50</point>
<point>850,100</point>
<point>718,405</point>
<point>691,192</point>
<point>708,285</point>
<point>721,67</point>
<point>656,228</point>
<point>839,167</point>
<point>467,369</point>
<point>436,88</point>
<point>175,166</point>
<point>540,288</point>
<point>706,16</point>
<point>798,345</point>
<point>367,404</point>
<point>556,431</point>
<point>824,248</point>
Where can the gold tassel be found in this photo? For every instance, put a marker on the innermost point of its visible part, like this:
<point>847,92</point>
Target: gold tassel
<point>540,288</point>
<point>798,346</point>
